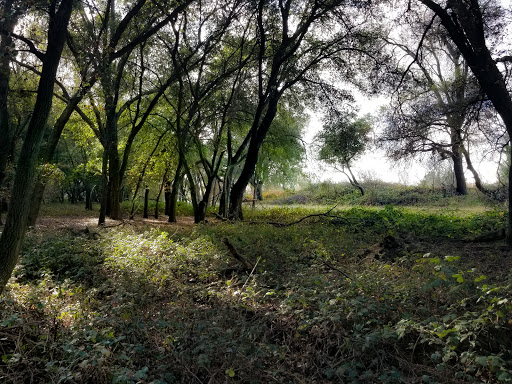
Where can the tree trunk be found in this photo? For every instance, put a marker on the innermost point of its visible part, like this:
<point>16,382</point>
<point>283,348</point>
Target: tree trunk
<point>88,197</point>
<point>167,198</point>
<point>193,193</point>
<point>104,189</point>
<point>157,200</point>
<point>237,191</point>
<point>17,216</point>
<point>6,141</point>
<point>458,170</point>
<point>354,182</point>
<point>469,164</point>
<point>146,203</point>
<point>173,198</point>
<point>203,204</point>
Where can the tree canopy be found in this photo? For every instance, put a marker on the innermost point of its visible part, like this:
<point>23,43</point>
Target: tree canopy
<point>202,98</point>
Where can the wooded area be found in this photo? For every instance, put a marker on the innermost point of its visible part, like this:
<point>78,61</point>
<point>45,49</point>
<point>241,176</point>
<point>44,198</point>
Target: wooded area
<point>179,107</point>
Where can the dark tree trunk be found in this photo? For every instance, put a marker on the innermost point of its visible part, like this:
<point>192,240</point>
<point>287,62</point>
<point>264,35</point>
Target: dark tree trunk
<point>476,176</point>
<point>7,24</point>
<point>146,203</point>
<point>260,131</point>
<point>203,204</point>
<point>193,193</point>
<point>104,189</point>
<point>167,197</point>
<point>157,200</point>
<point>17,216</point>
<point>458,170</point>
<point>88,197</point>
<point>173,198</point>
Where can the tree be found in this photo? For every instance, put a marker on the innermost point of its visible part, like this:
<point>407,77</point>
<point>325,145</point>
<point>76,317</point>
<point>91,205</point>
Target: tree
<point>293,39</point>
<point>10,15</point>
<point>468,23</point>
<point>283,151</point>
<point>342,140</point>
<point>437,110</point>
<point>17,216</point>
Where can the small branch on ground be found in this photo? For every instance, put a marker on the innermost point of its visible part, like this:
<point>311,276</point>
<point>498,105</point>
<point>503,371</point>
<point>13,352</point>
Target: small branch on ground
<point>325,214</point>
<point>247,265</point>
<point>330,266</point>
<point>219,217</point>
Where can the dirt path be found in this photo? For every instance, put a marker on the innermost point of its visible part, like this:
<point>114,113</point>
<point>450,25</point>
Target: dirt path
<point>79,223</point>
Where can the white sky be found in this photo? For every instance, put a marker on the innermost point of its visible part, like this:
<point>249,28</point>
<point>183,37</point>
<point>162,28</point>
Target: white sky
<point>374,162</point>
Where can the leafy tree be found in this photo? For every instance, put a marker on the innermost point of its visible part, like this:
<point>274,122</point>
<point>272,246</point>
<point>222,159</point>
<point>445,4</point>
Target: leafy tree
<point>437,110</point>
<point>282,152</point>
<point>293,40</point>
<point>17,216</point>
<point>471,25</point>
<point>342,140</point>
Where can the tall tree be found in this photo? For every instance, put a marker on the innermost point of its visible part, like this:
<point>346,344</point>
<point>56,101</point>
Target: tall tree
<point>15,226</point>
<point>7,23</point>
<point>113,43</point>
<point>435,109</point>
<point>467,23</point>
<point>293,38</point>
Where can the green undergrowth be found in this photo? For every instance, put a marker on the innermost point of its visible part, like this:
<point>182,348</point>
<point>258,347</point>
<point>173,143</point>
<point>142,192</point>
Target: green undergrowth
<point>381,194</point>
<point>307,305</point>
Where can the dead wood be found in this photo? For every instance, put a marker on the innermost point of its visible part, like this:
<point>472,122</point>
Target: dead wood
<point>247,265</point>
<point>219,217</point>
<point>330,266</point>
<point>325,214</point>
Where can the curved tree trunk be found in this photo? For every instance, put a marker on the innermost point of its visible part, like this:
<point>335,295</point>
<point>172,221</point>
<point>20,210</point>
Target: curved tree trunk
<point>476,176</point>
<point>260,131</point>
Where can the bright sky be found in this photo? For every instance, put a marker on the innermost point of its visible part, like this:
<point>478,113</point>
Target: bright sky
<point>375,164</point>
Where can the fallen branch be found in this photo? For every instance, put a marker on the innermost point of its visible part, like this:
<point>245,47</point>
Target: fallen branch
<point>325,214</point>
<point>330,266</point>
<point>219,217</point>
<point>248,266</point>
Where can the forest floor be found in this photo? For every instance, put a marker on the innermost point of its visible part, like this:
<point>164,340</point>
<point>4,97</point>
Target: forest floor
<point>353,295</point>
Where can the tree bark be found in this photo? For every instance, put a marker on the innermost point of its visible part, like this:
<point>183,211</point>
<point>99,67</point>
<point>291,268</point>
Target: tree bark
<point>476,176</point>
<point>260,131</point>
<point>173,198</point>
<point>458,170</point>
<point>146,203</point>
<point>104,188</point>
<point>6,139</point>
<point>17,216</point>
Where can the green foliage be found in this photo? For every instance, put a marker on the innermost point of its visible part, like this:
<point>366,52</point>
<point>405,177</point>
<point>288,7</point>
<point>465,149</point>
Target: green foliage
<point>342,140</point>
<point>135,303</point>
<point>379,193</point>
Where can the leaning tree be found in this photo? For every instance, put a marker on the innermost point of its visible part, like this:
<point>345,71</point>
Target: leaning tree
<point>14,230</point>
